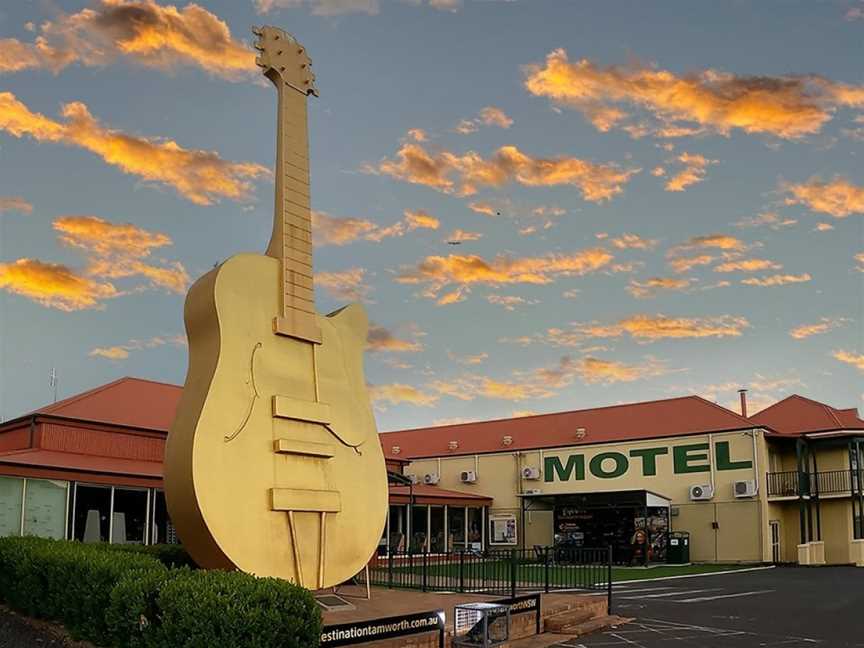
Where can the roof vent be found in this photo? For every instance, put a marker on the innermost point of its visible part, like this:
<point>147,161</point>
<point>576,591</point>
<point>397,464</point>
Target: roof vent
<point>580,433</point>
<point>507,440</point>
<point>395,449</point>
<point>453,445</point>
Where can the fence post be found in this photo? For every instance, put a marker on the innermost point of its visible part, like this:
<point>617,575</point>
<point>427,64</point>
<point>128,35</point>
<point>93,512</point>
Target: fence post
<point>390,569</point>
<point>462,570</point>
<point>425,568</point>
<point>513,573</point>
<point>609,580</point>
<point>546,568</point>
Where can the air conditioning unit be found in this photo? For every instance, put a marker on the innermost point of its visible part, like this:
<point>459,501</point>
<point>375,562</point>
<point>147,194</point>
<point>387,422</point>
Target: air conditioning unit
<point>412,478</point>
<point>701,492</point>
<point>533,491</point>
<point>431,479</point>
<point>468,477</point>
<point>530,473</point>
<point>744,488</point>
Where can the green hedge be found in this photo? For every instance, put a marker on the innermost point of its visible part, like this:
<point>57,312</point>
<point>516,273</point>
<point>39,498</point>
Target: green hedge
<point>168,555</point>
<point>128,598</point>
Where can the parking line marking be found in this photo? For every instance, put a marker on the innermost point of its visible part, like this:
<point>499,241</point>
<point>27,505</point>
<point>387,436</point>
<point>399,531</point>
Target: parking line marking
<point>672,593</point>
<point>700,599</point>
<point>647,589</point>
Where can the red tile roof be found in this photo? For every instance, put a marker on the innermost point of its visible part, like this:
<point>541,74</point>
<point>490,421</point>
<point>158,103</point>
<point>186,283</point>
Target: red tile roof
<point>652,419</point>
<point>131,402</point>
<point>797,415</point>
<point>426,494</point>
<point>82,463</point>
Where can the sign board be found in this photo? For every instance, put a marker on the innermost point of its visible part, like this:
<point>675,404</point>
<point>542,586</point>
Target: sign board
<point>347,634</point>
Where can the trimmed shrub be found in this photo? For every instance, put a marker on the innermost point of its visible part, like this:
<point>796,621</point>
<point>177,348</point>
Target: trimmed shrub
<point>199,609</point>
<point>65,581</point>
<point>168,555</point>
<point>126,598</point>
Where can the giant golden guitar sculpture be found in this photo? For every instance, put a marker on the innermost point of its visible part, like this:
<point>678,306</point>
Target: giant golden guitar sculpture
<point>273,464</point>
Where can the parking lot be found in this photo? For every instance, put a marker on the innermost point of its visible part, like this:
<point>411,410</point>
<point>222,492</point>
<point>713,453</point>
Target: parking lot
<point>786,606</point>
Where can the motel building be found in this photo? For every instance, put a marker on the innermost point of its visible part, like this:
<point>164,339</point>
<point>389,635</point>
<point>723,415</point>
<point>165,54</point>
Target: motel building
<point>783,486</point>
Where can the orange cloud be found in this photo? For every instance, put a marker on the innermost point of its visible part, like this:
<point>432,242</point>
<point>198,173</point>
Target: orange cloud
<point>436,272</point>
<point>331,230</point>
<point>823,227</point>
<point>398,393</point>
<point>854,359</point>
<point>15,203</point>
<point>695,167</point>
<point>788,107</point>
<point>321,7</point>
<point>772,220</point>
<point>839,197</point>
<point>463,236</point>
<point>632,241</point>
<point>595,370</point>
<point>649,288</point>
<point>860,259</point>
<point>445,170</point>
<point>510,302</point>
<point>684,264</point>
<point>200,176</point>
<point>54,285</point>
<point>475,359</point>
<point>380,338</point>
<point>119,250</point>
<point>483,208</point>
<point>121,351</point>
<point>417,134</point>
<point>488,116</point>
<point>347,285</point>
<point>747,265</point>
<point>825,324</point>
<point>711,241</point>
<point>777,280</point>
<point>140,31</point>
<point>649,328</point>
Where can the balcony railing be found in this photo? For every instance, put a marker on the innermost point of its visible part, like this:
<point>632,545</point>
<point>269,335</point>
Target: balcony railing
<point>793,483</point>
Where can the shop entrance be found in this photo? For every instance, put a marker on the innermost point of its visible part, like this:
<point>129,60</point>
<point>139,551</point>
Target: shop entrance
<point>634,523</point>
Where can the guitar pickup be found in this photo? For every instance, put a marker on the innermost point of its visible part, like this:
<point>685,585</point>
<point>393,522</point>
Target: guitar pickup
<point>303,500</point>
<point>301,410</point>
<point>305,448</point>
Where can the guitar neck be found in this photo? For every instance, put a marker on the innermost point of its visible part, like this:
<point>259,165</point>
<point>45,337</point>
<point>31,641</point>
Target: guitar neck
<point>291,241</point>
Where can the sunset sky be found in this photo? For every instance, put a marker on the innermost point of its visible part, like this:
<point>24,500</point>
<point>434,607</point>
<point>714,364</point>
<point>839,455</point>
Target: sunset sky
<point>653,198</point>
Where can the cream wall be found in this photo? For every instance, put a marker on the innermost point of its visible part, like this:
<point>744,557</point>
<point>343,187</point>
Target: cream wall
<point>742,523</point>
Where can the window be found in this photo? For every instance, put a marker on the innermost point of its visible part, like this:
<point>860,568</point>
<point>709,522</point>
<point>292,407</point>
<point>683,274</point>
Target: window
<point>92,511</point>
<point>475,528</point>
<point>456,528</point>
<point>419,529</point>
<point>397,529</point>
<point>45,508</point>
<point>129,516</point>
<point>436,529</point>
<point>162,531</point>
<point>11,500</point>
<point>502,529</point>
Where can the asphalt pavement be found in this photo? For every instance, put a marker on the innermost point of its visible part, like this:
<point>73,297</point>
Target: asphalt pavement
<point>792,607</point>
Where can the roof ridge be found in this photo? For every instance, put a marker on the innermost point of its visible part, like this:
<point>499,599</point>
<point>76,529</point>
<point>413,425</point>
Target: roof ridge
<point>530,416</point>
<point>725,409</point>
<point>47,409</point>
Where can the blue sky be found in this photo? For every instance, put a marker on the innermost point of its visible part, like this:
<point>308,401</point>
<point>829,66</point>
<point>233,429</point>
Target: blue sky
<point>572,291</point>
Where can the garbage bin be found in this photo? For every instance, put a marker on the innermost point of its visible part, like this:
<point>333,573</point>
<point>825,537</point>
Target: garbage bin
<point>678,551</point>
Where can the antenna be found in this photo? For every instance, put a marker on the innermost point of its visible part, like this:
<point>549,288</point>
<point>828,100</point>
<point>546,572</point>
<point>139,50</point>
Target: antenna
<point>53,382</point>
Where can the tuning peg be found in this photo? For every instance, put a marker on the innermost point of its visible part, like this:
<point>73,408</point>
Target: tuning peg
<point>258,31</point>
<point>259,62</point>
<point>258,45</point>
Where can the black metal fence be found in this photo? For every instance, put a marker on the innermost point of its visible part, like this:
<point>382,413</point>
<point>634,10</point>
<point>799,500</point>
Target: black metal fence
<point>499,572</point>
<point>793,483</point>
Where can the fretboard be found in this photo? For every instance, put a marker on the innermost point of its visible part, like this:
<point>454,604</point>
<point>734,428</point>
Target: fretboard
<point>291,241</point>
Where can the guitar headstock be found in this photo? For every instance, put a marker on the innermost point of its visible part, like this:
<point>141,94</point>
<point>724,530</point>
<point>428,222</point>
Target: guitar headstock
<point>283,58</point>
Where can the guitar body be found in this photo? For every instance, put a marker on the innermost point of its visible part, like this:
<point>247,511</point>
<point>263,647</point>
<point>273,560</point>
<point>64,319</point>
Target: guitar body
<point>273,462</point>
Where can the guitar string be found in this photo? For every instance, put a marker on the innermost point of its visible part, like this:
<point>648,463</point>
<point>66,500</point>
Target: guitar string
<point>255,396</point>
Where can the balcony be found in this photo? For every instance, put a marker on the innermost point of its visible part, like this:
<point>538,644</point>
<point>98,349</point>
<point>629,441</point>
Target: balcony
<point>792,483</point>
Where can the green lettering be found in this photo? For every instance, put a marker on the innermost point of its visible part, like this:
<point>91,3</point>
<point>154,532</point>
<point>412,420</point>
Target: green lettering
<point>683,456</point>
<point>621,465</point>
<point>649,459</point>
<point>723,460</point>
<point>552,467</point>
